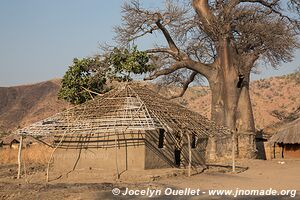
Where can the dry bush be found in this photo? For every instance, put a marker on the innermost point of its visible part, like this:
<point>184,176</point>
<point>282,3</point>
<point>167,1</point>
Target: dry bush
<point>35,154</point>
<point>263,84</point>
<point>295,77</point>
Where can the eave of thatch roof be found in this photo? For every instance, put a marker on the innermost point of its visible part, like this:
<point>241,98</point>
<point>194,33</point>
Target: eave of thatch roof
<point>288,134</point>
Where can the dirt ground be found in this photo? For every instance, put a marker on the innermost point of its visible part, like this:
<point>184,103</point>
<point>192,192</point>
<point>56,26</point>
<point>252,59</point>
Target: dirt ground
<point>252,175</point>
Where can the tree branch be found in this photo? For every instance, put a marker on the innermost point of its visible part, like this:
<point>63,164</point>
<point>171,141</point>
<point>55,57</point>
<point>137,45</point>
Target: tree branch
<point>206,17</point>
<point>185,86</point>
<point>173,68</point>
<point>91,92</point>
<point>271,6</point>
<point>142,34</point>
<point>162,50</point>
<point>263,2</point>
<point>201,68</point>
<point>167,35</point>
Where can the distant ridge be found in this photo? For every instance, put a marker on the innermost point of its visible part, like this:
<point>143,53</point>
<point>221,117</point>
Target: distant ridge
<point>24,104</point>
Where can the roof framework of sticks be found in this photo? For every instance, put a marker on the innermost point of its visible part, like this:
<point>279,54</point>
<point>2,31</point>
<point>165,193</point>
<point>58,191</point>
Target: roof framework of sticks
<point>288,134</point>
<point>130,108</point>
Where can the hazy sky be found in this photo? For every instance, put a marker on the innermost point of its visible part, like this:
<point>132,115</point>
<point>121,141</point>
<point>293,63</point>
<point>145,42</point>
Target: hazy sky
<point>40,38</point>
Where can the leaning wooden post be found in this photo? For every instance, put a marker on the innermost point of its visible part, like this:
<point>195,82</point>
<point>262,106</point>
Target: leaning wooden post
<point>49,163</point>
<point>20,156</point>
<point>233,152</point>
<point>190,154</point>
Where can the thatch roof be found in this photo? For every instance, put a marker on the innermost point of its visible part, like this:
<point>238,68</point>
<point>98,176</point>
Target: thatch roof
<point>129,108</point>
<point>274,127</point>
<point>288,134</point>
<point>7,140</point>
<point>10,138</point>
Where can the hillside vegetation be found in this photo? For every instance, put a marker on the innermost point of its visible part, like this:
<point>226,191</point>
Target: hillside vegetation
<point>272,99</point>
<point>22,105</point>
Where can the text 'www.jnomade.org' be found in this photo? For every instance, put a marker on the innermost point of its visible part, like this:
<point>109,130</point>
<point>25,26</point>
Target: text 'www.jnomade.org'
<point>197,192</point>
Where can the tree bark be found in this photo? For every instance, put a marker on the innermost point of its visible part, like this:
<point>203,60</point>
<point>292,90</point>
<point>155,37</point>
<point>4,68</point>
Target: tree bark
<point>231,104</point>
<point>217,105</point>
<point>245,123</point>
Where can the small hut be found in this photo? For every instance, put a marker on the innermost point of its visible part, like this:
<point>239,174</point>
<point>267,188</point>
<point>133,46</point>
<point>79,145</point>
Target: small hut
<point>287,139</point>
<point>12,142</point>
<point>130,127</point>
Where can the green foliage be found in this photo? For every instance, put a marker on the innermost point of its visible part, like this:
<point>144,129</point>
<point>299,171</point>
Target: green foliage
<point>124,62</point>
<point>79,77</point>
<point>92,73</point>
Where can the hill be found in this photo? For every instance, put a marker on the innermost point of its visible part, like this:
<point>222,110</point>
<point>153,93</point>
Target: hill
<point>273,99</point>
<point>22,105</point>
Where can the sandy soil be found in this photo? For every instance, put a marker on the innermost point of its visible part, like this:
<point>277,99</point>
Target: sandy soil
<point>98,184</point>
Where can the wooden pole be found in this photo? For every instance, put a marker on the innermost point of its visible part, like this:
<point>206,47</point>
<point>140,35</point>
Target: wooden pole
<point>233,152</point>
<point>20,157</point>
<point>52,155</point>
<point>116,148</point>
<point>126,151</point>
<point>126,154</point>
<point>274,150</point>
<point>271,149</point>
<point>49,162</point>
<point>190,154</point>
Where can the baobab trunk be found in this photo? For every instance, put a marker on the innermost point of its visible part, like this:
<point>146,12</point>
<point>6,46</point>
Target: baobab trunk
<point>231,105</point>
<point>217,112</point>
<point>245,123</point>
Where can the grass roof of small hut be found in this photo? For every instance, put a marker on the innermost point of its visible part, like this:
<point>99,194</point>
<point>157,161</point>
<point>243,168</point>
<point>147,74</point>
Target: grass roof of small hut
<point>13,138</point>
<point>128,108</point>
<point>288,134</point>
<point>275,127</point>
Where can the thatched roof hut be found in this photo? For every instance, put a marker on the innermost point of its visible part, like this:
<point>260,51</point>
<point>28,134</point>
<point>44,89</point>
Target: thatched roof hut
<point>286,141</point>
<point>13,140</point>
<point>288,134</point>
<point>131,123</point>
<point>131,107</point>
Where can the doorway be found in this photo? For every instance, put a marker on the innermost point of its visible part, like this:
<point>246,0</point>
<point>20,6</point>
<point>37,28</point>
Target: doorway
<point>177,159</point>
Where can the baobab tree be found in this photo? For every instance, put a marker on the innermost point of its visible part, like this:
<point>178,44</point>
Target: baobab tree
<point>222,40</point>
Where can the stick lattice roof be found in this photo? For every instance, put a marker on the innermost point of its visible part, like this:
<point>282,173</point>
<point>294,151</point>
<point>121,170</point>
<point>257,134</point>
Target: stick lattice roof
<point>129,108</point>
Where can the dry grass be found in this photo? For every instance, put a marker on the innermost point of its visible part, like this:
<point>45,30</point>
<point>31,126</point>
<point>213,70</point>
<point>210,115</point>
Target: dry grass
<point>36,154</point>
